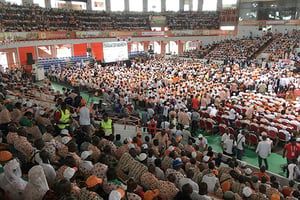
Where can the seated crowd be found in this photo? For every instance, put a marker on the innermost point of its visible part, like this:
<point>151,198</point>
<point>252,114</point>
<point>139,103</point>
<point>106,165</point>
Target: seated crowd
<point>196,20</point>
<point>62,152</point>
<point>282,47</point>
<point>24,18</point>
<point>238,49</point>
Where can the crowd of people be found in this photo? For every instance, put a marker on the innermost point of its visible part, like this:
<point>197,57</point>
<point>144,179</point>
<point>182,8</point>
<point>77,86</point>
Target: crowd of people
<point>72,151</point>
<point>282,47</point>
<point>63,153</point>
<point>24,18</point>
<point>196,20</point>
<point>241,49</point>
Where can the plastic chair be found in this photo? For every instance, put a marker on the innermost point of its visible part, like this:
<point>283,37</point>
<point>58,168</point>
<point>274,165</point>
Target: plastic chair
<point>273,136</point>
<point>209,127</point>
<point>253,140</point>
<point>232,131</point>
<point>222,130</point>
<point>254,128</point>
<point>238,124</point>
<point>281,136</point>
<point>202,124</point>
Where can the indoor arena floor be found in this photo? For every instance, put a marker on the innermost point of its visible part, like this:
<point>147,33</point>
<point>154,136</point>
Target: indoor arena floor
<point>275,161</point>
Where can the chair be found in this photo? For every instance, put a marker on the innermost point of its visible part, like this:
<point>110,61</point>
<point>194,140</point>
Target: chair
<point>218,119</point>
<point>294,126</point>
<point>202,124</point>
<point>273,136</point>
<point>254,128</point>
<point>253,140</point>
<point>206,115</point>
<point>232,131</point>
<point>209,127</point>
<point>244,110</point>
<point>238,124</point>
<point>225,120</point>
<point>222,130</point>
<point>201,113</point>
<point>281,136</point>
<point>262,129</point>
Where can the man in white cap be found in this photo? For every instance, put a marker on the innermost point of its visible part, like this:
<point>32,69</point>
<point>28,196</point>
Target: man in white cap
<point>247,192</point>
<point>186,135</point>
<point>201,142</point>
<point>86,166</point>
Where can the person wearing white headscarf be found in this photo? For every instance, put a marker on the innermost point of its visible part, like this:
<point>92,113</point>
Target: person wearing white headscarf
<point>37,185</point>
<point>11,180</point>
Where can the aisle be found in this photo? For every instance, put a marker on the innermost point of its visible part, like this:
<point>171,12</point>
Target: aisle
<point>274,161</point>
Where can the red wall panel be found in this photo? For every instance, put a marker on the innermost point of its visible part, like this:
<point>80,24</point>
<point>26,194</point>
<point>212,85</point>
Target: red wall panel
<point>23,54</point>
<point>97,50</point>
<point>80,49</point>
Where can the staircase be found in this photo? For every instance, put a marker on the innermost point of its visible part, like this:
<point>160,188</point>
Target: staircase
<point>259,52</point>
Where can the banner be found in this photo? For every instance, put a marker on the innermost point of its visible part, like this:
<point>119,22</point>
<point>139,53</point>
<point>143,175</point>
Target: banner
<point>124,33</point>
<point>270,22</point>
<point>56,35</point>
<point>69,6</point>
<point>177,33</point>
<point>157,21</point>
<point>92,34</point>
<point>154,33</point>
<point>98,4</point>
<point>250,1</point>
<point>18,36</point>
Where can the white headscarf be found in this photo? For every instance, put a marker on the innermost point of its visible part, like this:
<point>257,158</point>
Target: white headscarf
<point>11,180</point>
<point>37,185</point>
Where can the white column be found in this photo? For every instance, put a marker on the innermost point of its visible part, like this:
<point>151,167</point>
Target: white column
<point>55,52</point>
<point>219,5</point>
<point>48,3</point>
<point>89,5</point>
<point>72,49</point>
<point>107,3</point>
<point>18,56</point>
<point>126,3</point>
<point>27,2</point>
<point>200,5</point>
<point>36,53</point>
<point>163,6</point>
<point>181,5</point>
<point>145,5</point>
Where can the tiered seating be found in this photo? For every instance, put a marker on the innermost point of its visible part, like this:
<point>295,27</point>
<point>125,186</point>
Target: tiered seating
<point>237,49</point>
<point>193,20</point>
<point>24,18</point>
<point>48,62</point>
<point>283,46</point>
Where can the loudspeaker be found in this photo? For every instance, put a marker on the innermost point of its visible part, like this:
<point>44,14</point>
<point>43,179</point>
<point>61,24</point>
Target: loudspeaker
<point>29,60</point>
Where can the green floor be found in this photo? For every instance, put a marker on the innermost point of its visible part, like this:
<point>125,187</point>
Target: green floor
<point>274,161</point>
